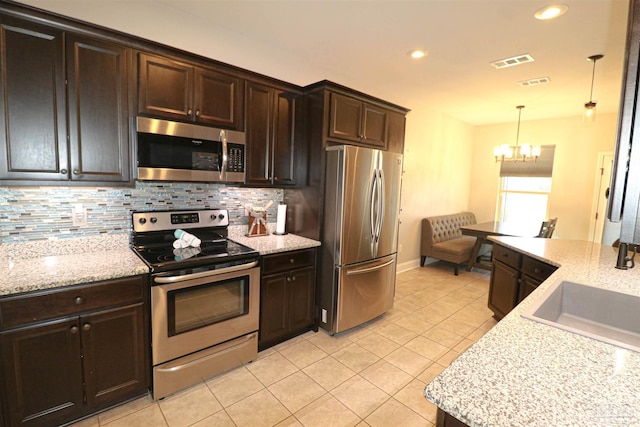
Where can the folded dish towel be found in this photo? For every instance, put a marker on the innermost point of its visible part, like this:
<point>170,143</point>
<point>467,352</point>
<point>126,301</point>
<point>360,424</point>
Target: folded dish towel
<point>185,239</point>
<point>185,253</point>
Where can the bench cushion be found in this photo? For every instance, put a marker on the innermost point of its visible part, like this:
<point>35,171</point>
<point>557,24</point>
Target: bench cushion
<point>455,250</point>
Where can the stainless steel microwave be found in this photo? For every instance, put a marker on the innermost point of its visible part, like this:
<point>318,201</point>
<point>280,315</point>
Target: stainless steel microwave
<point>175,151</point>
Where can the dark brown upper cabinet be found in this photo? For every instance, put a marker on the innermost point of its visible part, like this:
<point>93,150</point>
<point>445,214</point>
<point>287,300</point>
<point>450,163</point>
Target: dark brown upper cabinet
<point>187,92</point>
<point>274,156</point>
<point>98,113</point>
<point>358,121</point>
<point>58,127</point>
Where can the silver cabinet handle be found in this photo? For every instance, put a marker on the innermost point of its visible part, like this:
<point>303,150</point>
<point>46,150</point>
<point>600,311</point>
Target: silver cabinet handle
<point>63,171</point>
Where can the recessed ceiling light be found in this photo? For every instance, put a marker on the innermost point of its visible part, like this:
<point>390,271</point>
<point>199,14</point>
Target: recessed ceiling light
<point>551,11</point>
<point>417,53</point>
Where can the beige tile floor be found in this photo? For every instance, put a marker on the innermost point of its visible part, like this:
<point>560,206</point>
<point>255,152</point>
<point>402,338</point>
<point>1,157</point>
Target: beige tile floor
<point>373,375</point>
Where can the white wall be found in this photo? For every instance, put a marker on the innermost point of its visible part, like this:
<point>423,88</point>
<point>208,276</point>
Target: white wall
<point>576,155</point>
<point>437,174</point>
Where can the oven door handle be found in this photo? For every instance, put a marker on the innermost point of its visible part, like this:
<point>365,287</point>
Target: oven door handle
<point>175,279</point>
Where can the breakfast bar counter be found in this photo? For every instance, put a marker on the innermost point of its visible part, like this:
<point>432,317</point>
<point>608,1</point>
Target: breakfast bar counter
<point>525,373</point>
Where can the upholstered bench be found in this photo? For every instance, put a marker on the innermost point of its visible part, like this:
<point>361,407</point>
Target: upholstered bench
<point>443,240</point>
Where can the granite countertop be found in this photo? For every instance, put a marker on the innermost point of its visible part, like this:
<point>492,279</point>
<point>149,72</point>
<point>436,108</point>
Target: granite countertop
<point>32,266</point>
<point>271,243</point>
<point>525,373</point>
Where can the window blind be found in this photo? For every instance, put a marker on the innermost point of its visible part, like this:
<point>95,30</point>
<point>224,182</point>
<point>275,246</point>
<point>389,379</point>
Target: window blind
<point>543,167</point>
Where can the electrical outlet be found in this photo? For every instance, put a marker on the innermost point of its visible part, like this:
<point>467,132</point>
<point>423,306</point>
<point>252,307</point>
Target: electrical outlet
<point>79,215</point>
<point>324,315</point>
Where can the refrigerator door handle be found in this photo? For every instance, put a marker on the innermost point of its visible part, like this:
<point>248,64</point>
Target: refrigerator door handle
<point>373,218</point>
<point>381,202</point>
<point>370,269</point>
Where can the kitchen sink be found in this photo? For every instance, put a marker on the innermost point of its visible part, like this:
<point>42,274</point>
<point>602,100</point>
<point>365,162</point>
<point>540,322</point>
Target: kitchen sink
<point>597,313</point>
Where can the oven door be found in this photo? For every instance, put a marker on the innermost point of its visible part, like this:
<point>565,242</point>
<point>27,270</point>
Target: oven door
<point>196,311</point>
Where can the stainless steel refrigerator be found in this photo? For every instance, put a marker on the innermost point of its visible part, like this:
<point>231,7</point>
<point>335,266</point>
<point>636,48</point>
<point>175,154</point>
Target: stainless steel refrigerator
<point>360,234</point>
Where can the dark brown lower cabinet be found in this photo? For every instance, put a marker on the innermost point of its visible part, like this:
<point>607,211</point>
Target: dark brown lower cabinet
<point>513,277</point>
<point>287,296</point>
<point>443,419</point>
<point>62,369</point>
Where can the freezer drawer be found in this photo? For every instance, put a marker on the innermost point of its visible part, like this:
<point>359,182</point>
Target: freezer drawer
<point>365,291</point>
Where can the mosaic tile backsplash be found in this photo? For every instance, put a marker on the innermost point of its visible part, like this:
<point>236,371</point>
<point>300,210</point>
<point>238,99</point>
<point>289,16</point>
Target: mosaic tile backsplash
<point>39,213</point>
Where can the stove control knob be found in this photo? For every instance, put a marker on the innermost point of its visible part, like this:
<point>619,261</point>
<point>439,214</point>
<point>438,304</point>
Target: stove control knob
<point>221,217</point>
<point>142,220</point>
<point>154,220</point>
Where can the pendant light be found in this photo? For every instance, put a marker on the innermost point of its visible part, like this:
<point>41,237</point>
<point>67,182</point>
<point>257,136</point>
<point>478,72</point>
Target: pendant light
<point>589,114</point>
<point>516,153</point>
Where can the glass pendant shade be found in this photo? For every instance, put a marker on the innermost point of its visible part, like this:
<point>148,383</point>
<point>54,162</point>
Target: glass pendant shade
<point>589,113</point>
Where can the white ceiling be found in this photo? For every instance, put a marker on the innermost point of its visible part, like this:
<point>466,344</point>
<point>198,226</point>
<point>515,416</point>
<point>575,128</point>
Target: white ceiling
<point>363,45</point>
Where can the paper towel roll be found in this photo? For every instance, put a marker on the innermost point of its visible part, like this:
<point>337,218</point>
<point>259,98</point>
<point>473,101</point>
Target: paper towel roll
<point>281,219</point>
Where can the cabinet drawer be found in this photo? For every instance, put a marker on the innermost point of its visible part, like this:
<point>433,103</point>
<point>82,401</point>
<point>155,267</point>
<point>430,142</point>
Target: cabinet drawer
<point>507,256</point>
<point>288,261</point>
<point>50,304</point>
<point>537,269</point>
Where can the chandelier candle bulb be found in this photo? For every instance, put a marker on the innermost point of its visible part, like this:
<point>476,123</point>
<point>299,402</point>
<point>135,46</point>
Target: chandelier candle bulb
<point>281,219</point>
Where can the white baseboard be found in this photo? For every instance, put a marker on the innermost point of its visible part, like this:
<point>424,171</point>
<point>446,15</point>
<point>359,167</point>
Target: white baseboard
<point>408,265</point>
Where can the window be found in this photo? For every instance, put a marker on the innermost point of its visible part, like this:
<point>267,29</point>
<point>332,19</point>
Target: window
<point>525,188</point>
<point>524,199</point>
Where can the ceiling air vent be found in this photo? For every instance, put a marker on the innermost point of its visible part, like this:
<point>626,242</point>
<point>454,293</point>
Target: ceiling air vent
<point>534,82</point>
<point>510,62</point>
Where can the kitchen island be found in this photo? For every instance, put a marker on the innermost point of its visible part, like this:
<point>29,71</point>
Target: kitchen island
<point>525,373</point>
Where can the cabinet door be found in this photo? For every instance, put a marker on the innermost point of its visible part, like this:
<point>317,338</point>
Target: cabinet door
<point>503,289</point>
<point>98,113</point>
<point>219,99</point>
<point>258,133</point>
<point>527,285</point>
<point>114,355</point>
<point>345,118</point>
<point>42,373</point>
<point>395,132</point>
<point>284,150</point>
<point>32,111</point>
<point>273,308</point>
<point>301,298</point>
<point>165,88</point>
<point>374,126</point>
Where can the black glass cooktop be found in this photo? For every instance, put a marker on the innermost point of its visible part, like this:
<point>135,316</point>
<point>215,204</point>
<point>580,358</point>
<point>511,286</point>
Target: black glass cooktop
<point>157,250</point>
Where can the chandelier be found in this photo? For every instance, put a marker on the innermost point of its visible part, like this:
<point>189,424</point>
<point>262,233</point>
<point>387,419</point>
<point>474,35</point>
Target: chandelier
<point>589,114</point>
<point>517,153</point>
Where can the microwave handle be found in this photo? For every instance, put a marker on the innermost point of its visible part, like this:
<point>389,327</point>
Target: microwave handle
<point>225,157</point>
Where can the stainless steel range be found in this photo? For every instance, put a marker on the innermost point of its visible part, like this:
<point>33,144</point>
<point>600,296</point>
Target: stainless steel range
<point>204,299</point>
